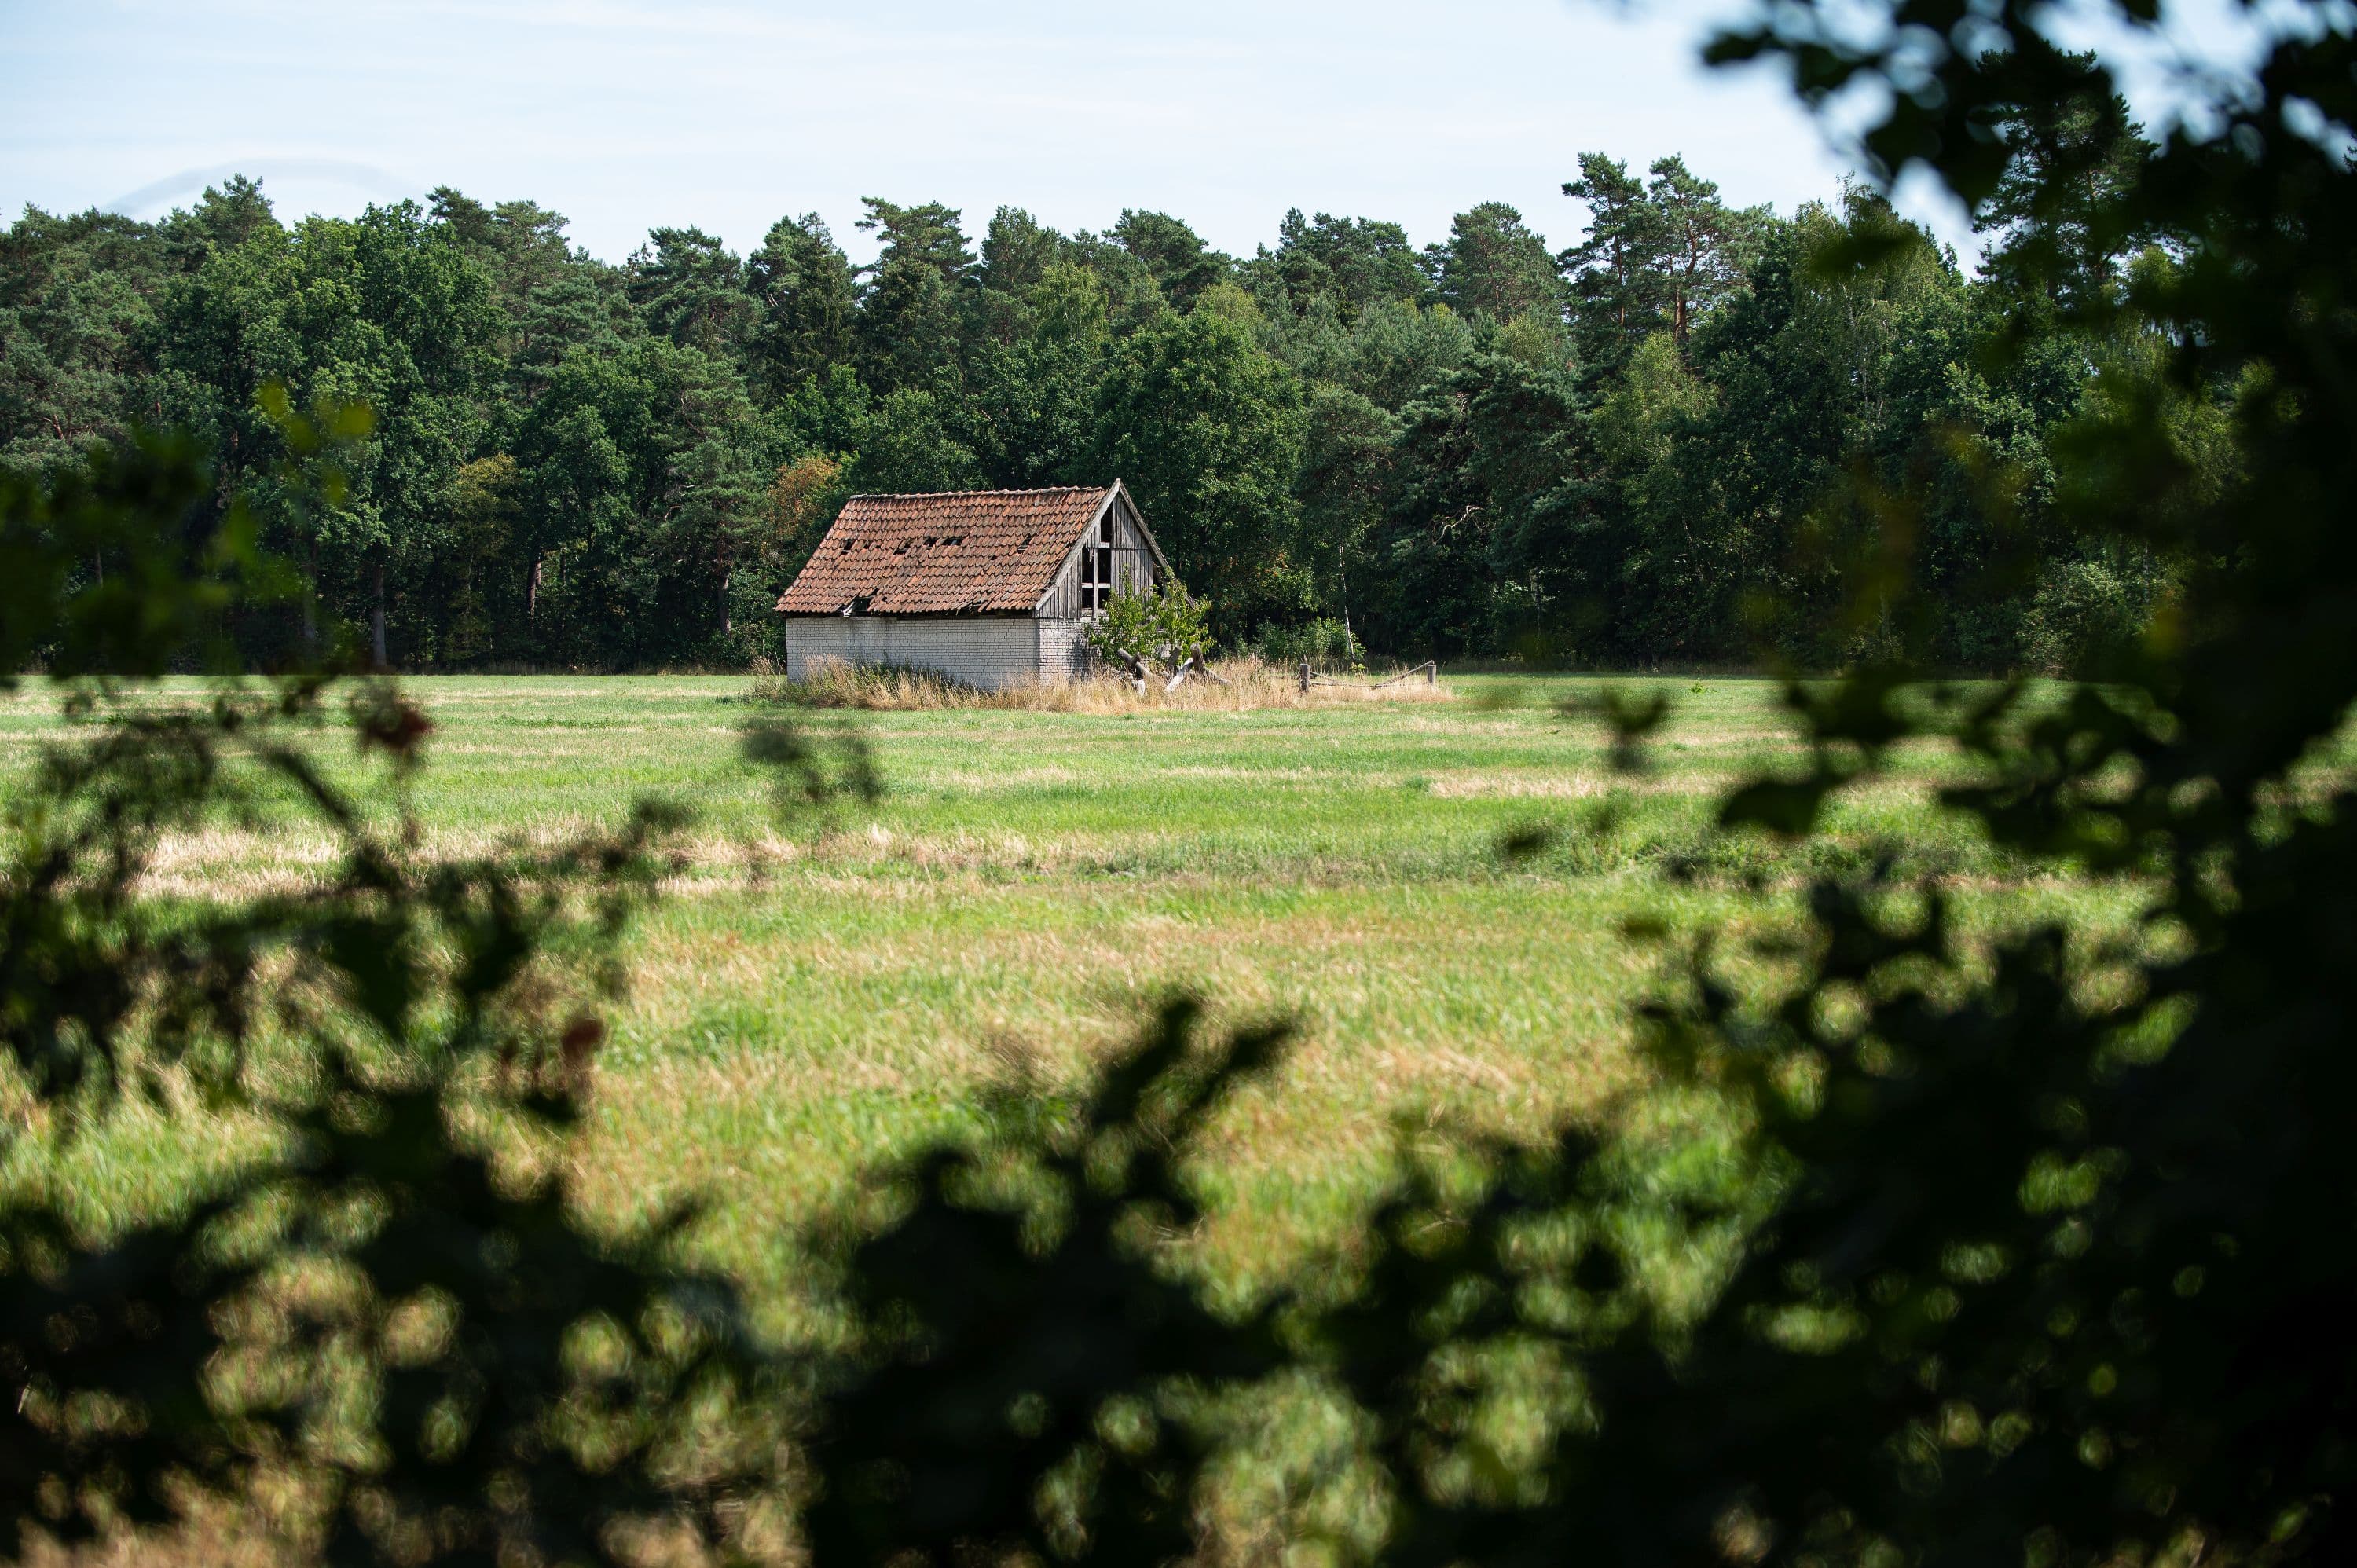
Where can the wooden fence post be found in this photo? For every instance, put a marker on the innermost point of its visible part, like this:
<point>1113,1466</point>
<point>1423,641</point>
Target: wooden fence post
<point>1305,676</point>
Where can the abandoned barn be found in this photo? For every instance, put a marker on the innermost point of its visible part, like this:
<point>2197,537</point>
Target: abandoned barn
<point>989,588</point>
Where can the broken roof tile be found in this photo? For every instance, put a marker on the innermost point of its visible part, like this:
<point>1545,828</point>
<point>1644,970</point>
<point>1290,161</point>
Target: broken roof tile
<point>957,553</point>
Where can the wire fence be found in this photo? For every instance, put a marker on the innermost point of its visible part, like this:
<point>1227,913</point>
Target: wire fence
<point>1429,670</point>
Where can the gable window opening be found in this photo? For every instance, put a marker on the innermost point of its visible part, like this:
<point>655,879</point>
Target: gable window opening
<point>1096,568</point>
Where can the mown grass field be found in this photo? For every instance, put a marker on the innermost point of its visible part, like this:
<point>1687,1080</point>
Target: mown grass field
<point>816,994</point>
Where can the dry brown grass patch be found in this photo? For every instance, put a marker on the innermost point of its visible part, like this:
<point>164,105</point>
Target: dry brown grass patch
<point>1240,685</point>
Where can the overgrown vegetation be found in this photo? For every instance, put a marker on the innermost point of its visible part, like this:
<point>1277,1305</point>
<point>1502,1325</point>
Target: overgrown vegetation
<point>1323,644</point>
<point>1233,686</point>
<point>409,1351</point>
<point>1163,629</point>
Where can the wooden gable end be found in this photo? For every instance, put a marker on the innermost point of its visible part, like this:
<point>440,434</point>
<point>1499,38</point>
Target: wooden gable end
<point>1115,543</point>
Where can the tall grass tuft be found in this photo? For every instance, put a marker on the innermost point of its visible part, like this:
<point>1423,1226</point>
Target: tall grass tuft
<point>1242,685</point>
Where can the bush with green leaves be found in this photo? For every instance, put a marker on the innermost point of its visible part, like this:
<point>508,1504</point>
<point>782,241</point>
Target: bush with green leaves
<point>1139,629</point>
<point>372,1334</point>
<point>2032,1252</point>
<point>1324,644</point>
<point>2089,614</point>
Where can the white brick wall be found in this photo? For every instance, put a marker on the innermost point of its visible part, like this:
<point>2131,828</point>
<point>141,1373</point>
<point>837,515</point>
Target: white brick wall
<point>989,652</point>
<point>1061,657</point>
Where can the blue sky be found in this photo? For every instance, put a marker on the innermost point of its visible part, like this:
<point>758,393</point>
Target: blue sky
<point>624,115</point>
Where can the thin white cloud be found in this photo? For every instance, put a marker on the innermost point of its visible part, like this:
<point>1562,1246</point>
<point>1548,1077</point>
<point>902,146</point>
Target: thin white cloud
<point>173,190</point>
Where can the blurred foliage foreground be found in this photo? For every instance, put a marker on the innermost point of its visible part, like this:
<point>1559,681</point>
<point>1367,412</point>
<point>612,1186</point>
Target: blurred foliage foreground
<point>2028,1255</point>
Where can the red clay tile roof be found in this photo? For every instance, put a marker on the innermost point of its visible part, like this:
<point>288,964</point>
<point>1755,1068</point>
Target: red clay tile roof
<point>962,551</point>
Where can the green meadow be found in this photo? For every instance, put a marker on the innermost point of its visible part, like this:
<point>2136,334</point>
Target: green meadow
<point>818,992</point>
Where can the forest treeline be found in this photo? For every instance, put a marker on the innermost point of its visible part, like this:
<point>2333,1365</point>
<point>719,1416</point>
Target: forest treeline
<point>1650,447</point>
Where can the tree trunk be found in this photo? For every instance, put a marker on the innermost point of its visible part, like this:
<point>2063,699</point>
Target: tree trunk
<point>376,618</point>
<point>1342,574</point>
<point>311,603</point>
